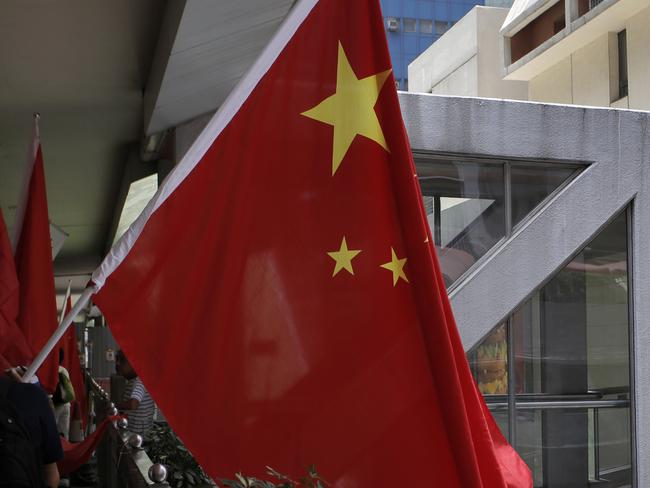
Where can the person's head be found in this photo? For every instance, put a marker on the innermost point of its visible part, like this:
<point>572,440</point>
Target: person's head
<point>123,366</point>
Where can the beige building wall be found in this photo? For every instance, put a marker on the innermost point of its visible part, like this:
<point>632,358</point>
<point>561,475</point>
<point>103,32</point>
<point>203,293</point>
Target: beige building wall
<point>589,76</point>
<point>466,60</point>
<point>638,52</point>
<point>446,57</point>
<point>490,53</point>
<point>463,81</point>
<point>553,85</point>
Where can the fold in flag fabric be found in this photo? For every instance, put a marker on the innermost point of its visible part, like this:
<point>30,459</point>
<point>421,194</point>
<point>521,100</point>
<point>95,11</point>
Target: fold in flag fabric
<point>299,307</point>
<point>77,454</point>
<point>14,349</point>
<point>33,256</point>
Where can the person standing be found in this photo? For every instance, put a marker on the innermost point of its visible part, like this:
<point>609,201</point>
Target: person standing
<point>31,445</point>
<point>136,401</point>
<point>63,397</point>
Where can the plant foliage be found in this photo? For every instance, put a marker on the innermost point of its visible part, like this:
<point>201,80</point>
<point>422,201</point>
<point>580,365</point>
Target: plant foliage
<point>311,480</point>
<point>182,469</point>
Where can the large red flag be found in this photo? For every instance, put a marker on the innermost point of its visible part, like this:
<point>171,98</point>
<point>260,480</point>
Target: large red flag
<point>297,315</point>
<point>33,255</point>
<point>14,350</point>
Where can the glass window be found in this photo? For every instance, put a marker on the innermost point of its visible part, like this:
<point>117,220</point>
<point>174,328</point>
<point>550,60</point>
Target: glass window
<point>622,64</point>
<point>441,27</point>
<point>426,26</point>
<point>466,211</point>
<point>532,184</point>
<point>489,364</point>
<point>409,25</point>
<point>570,374</point>
<point>466,205</point>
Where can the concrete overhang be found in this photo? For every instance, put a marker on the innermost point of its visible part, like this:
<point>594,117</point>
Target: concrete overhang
<point>204,48</point>
<point>608,16</point>
<point>522,13</point>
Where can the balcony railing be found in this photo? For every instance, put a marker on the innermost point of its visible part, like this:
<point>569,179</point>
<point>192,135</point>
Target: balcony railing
<point>121,460</point>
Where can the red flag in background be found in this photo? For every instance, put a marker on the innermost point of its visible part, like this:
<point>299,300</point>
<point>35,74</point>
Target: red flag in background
<point>72,363</point>
<point>77,454</point>
<point>33,255</point>
<point>14,350</point>
<point>298,315</point>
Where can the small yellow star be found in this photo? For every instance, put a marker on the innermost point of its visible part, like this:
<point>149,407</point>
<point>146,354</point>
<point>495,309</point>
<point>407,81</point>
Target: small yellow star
<point>351,110</point>
<point>343,258</point>
<point>396,266</point>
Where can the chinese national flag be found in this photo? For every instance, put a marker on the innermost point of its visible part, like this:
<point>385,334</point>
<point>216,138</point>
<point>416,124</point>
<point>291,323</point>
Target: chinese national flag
<point>280,297</point>
<point>14,350</point>
<point>33,255</point>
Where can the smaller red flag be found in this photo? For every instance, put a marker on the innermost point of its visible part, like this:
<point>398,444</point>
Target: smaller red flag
<point>14,350</point>
<point>33,256</point>
<point>77,454</point>
<point>73,365</point>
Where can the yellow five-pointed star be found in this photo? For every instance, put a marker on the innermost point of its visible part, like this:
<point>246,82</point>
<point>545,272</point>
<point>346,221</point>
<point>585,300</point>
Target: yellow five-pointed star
<point>396,266</point>
<point>351,110</point>
<point>343,258</point>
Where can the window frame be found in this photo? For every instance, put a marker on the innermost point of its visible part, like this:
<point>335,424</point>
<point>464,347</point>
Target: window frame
<point>512,405</point>
<point>415,25</point>
<point>421,157</point>
<point>428,22</point>
<point>623,82</point>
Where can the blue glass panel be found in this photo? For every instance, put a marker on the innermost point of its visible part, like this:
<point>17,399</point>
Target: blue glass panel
<point>398,68</point>
<point>392,8</point>
<point>410,8</point>
<point>411,44</point>
<point>426,9</point>
<point>441,10</point>
<point>425,42</point>
<point>457,11</point>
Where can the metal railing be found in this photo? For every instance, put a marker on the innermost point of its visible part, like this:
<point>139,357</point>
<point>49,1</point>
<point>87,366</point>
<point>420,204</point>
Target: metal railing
<point>594,401</point>
<point>121,459</point>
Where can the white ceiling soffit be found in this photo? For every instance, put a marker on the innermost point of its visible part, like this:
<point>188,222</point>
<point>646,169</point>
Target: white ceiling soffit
<point>522,13</point>
<point>205,47</point>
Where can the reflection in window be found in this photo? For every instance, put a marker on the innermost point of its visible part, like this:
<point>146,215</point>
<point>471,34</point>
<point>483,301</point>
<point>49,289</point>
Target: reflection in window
<point>531,185</point>
<point>490,361</point>
<point>466,203</point>
<point>570,370</point>
<point>467,211</point>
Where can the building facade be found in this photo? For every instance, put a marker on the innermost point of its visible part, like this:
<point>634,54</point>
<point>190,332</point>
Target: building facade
<point>466,61</point>
<point>413,25</point>
<point>597,58</point>
<point>537,213</point>
<point>561,366</point>
<point>580,52</point>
